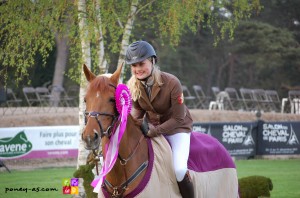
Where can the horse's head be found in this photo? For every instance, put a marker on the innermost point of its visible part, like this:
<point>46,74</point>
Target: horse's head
<point>100,113</point>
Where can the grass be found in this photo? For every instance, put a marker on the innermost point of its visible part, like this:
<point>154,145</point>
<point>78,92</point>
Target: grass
<point>284,174</point>
<point>42,178</point>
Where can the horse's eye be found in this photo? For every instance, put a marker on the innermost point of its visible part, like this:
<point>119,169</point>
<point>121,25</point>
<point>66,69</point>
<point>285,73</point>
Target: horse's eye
<point>112,100</point>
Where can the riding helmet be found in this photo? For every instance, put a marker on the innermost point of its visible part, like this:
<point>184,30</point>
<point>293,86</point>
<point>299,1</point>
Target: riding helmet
<point>139,51</point>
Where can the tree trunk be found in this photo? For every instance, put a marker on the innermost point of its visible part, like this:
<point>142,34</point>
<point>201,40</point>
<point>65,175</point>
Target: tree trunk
<point>231,70</point>
<point>101,55</point>
<point>86,57</point>
<point>220,72</point>
<point>60,65</point>
<point>126,35</point>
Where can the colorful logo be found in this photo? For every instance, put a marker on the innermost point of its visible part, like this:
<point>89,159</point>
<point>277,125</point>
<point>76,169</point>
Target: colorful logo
<point>15,146</point>
<point>70,186</point>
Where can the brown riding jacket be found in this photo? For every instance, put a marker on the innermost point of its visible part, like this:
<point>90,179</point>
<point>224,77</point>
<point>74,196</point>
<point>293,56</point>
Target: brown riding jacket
<point>166,109</point>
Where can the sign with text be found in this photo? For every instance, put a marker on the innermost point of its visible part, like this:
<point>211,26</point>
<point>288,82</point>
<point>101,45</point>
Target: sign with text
<point>238,138</point>
<point>279,138</point>
<point>39,142</point>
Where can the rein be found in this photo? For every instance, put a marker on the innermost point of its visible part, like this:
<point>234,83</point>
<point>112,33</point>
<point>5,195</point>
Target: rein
<point>124,161</point>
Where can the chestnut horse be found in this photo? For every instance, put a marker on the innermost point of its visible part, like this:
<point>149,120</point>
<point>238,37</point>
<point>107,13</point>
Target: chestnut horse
<point>144,167</point>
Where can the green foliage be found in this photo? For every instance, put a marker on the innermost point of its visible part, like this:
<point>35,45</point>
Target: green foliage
<point>221,17</point>
<point>260,56</point>
<point>108,18</point>
<point>28,27</point>
<point>23,34</point>
<point>255,186</point>
<point>85,172</point>
<point>262,50</point>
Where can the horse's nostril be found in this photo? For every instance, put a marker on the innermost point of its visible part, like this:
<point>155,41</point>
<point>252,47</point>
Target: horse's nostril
<point>96,136</point>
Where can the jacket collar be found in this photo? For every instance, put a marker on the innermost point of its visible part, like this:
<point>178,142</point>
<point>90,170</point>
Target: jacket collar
<point>154,92</point>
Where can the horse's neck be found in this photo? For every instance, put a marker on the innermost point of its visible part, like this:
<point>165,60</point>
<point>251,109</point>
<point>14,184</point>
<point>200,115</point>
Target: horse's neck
<point>131,148</point>
<point>130,138</point>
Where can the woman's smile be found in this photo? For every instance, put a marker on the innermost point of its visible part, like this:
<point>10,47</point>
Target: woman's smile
<point>142,69</point>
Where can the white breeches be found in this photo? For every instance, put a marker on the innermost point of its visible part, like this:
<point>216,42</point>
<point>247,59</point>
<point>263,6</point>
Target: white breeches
<point>180,143</point>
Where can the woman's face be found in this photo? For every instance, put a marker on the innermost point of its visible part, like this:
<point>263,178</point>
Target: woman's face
<point>141,70</point>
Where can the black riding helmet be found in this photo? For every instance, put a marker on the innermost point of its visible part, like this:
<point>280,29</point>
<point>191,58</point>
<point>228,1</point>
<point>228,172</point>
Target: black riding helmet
<point>139,51</point>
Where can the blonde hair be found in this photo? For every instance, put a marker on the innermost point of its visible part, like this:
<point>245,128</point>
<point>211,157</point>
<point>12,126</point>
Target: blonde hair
<point>135,85</point>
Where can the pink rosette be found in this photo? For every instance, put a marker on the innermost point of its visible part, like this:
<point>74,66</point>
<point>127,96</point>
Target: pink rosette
<point>123,98</point>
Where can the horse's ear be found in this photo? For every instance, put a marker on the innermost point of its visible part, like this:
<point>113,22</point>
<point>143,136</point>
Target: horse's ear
<point>88,74</point>
<point>116,75</point>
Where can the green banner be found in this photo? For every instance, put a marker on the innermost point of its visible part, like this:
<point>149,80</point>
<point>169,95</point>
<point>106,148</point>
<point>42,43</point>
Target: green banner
<point>15,146</point>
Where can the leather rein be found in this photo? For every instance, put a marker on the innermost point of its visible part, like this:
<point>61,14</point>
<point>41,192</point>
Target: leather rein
<point>118,191</point>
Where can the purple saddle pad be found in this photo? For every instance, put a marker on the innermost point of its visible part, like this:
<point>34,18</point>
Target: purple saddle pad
<point>208,154</point>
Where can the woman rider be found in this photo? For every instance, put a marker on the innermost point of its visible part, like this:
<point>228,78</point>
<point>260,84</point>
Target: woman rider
<point>158,100</point>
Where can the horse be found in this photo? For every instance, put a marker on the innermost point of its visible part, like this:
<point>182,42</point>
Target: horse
<point>143,167</point>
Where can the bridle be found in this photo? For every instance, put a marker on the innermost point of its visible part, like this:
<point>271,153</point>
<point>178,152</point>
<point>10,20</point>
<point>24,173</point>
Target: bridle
<point>118,190</point>
<point>107,133</point>
<point>95,114</point>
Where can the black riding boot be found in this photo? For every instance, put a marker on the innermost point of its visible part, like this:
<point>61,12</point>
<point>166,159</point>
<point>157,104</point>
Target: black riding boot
<point>186,187</point>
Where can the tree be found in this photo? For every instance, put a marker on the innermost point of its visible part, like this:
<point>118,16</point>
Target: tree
<point>33,24</point>
<point>23,35</point>
<point>28,28</point>
<point>267,54</point>
<point>86,56</point>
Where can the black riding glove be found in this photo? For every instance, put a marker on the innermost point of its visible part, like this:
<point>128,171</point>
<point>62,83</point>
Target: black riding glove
<point>148,129</point>
<point>145,126</point>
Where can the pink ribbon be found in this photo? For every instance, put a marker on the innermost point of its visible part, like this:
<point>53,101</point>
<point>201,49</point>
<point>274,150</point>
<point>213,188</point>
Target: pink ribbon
<point>123,104</point>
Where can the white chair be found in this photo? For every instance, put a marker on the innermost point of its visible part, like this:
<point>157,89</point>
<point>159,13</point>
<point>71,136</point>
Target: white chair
<point>283,104</point>
<point>294,98</point>
<point>222,99</point>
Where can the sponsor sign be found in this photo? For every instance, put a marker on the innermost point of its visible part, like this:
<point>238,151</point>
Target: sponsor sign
<point>15,146</point>
<point>238,138</point>
<point>279,138</point>
<point>39,142</point>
